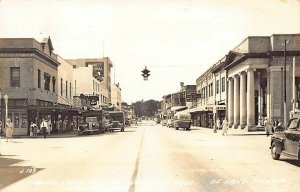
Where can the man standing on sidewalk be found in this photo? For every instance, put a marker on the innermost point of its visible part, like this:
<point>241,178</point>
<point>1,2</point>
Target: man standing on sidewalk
<point>225,126</point>
<point>44,128</point>
<point>268,126</point>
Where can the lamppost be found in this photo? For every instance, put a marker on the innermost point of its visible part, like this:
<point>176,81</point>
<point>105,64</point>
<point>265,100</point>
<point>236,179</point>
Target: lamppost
<point>6,101</point>
<point>1,122</point>
<point>284,84</point>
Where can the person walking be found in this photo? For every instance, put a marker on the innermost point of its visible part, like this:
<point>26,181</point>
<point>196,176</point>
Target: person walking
<point>44,128</point>
<point>34,128</point>
<point>9,130</point>
<point>268,126</point>
<point>218,123</point>
<point>49,127</point>
<point>225,126</point>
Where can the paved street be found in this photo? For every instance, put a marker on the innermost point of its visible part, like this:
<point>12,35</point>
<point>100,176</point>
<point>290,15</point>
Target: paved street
<point>147,157</point>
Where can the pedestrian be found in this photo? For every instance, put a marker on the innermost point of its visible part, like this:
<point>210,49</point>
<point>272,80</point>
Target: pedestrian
<point>279,126</point>
<point>34,128</point>
<point>44,128</point>
<point>9,130</point>
<point>218,123</point>
<point>0,127</point>
<point>225,126</point>
<point>275,124</point>
<point>49,127</point>
<point>268,126</point>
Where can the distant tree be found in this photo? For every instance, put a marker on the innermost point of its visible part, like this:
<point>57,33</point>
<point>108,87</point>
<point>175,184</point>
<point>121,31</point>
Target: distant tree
<point>145,108</point>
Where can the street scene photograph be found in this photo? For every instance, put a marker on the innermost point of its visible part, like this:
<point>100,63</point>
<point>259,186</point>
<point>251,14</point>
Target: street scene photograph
<point>149,96</point>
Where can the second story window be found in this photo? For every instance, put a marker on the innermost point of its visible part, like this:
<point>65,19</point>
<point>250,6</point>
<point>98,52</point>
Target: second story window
<point>15,76</point>
<point>223,84</point>
<point>53,84</point>
<point>39,78</point>
<point>70,89</point>
<point>47,81</point>
<point>217,87</point>
<point>61,86</point>
<point>66,88</point>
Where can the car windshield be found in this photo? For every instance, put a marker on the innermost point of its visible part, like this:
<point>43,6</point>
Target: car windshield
<point>293,124</point>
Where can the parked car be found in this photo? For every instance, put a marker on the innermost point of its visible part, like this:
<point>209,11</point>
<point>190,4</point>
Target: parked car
<point>170,123</point>
<point>127,122</point>
<point>287,141</point>
<point>89,128</point>
<point>164,122</point>
<point>116,125</point>
<point>91,123</point>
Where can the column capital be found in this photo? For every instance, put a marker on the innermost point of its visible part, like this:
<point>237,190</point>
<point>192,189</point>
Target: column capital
<point>250,69</point>
<point>236,76</point>
<point>230,78</point>
<point>242,73</point>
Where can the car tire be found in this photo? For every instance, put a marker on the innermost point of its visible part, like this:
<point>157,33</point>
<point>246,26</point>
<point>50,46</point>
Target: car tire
<point>176,128</point>
<point>275,155</point>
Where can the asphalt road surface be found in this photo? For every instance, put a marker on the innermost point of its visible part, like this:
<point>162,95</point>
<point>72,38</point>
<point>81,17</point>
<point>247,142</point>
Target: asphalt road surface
<point>146,157</point>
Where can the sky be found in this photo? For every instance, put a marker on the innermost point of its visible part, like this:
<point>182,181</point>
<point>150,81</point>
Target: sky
<point>177,40</point>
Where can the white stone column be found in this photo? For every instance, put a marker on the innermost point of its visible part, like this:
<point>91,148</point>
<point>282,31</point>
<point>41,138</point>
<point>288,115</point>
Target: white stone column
<point>250,101</point>
<point>236,100</point>
<point>230,102</point>
<point>260,102</point>
<point>243,103</point>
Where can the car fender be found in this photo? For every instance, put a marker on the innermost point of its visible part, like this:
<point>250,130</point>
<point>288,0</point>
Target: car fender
<point>279,143</point>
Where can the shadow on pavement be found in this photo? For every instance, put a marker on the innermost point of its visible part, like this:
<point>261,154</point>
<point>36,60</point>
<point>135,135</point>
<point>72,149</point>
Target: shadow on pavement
<point>10,174</point>
<point>294,162</point>
<point>246,134</point>
<point>129,130</point>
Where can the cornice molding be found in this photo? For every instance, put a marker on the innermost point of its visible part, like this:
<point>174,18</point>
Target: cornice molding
<point>27,53</point>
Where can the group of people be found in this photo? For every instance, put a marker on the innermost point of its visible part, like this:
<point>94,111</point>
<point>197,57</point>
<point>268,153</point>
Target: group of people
<point>45,128</point>
<point>272,128</point>
<point>223,125</point>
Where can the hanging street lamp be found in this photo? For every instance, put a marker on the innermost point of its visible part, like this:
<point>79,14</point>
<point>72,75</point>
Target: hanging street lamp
<point>145,73</point>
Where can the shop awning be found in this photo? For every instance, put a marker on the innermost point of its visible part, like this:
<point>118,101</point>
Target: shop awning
<point>178,108</point>
<point>206,108</point>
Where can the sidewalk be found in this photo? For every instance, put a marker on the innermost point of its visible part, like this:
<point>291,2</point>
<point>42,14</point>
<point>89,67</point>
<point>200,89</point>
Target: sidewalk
<point>54,135</point>
<point>230,132</point>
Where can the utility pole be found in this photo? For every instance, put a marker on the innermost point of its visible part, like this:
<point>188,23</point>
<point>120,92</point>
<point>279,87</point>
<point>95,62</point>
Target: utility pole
<point>284,84</point>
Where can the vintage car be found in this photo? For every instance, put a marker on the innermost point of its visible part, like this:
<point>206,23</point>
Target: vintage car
<point>182,120</point>
<point>170,123</point>
<point>287,141</point>
<point>116,125</point>
<point>127,122</point>
<point>90,128</point>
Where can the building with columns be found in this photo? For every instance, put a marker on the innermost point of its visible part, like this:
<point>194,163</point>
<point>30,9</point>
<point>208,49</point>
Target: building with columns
<point>260,80</point>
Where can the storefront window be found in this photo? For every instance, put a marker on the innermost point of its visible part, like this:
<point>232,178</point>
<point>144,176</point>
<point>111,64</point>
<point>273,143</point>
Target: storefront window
<point>16,120</point>
<point>9,115</point>
<point>24,120</point>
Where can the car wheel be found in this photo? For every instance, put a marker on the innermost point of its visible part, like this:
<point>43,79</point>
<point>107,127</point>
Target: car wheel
<point>176,128</point>
<point>275,155</point>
